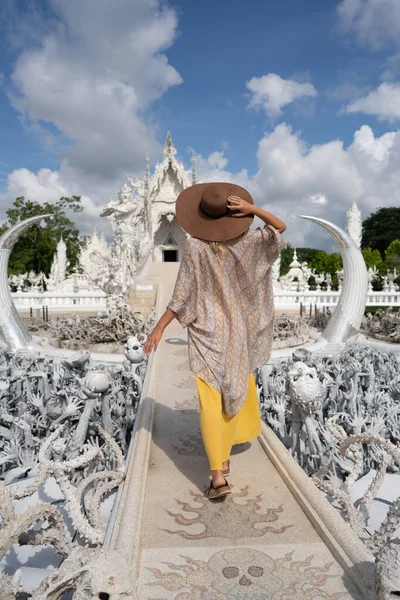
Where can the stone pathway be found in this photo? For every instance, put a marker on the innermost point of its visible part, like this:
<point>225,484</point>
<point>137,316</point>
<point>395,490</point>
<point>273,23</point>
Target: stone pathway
<point>253,544</point>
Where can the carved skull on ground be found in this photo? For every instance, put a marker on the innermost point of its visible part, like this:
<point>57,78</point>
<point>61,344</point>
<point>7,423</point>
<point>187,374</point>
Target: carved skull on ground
<point>244,573</point>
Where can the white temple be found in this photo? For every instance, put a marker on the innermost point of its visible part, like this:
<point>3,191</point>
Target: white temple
<point>143,216</point>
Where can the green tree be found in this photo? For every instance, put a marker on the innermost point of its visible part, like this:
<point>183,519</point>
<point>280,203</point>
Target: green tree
<point>36,247</point>
<point>306,254</point>
<point>327,263</point>
<point>381,228</point>
<point>373,258</point>
<point>392,255</point>
<point>286,258</point>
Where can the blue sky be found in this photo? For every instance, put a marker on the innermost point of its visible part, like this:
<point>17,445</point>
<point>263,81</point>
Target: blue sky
<point>298,100</point>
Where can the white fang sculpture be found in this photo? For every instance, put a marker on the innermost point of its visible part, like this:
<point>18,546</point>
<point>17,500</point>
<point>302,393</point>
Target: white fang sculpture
<point>346,319</point>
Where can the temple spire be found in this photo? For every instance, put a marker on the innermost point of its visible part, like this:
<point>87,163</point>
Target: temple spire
<point>147,173</point>
<point>169,148</point>
<point>194,170</point>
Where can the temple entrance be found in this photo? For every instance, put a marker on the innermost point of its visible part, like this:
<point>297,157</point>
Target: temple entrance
<point>170,255</point>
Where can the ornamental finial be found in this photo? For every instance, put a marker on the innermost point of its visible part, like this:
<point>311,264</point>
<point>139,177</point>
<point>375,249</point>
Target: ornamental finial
<point>169,149</point>
<point>193,170</point>
<point>147,173</point>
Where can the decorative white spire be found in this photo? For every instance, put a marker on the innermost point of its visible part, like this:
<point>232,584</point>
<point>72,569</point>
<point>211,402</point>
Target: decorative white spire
<point>147,174</point>
<point>354,224</point>
<point>194,170</point>
<point>169,149</point>
<point>295,262</point>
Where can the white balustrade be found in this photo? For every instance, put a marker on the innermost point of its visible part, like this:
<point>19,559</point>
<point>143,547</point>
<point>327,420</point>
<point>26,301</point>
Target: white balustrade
<point>60,301</point>
<point>96,300</point>
<point>292,299</point>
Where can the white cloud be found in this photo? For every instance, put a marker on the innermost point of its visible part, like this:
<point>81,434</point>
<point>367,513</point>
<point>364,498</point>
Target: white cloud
<point>45,186</point>
<point>48,186</point>
<point>384,102</point>
<point>321,180</point>
<point>318,199</point>
<point>376,23</point>
<point>271,93</point>
<point>87,83</point>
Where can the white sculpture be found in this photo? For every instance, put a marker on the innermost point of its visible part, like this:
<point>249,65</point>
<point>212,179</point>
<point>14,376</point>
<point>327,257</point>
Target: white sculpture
<point>387,574</point>
<point>59,266</point>
<point>297,277</point>
<point>346,319</point>
<point>91,572</point>
<point>39,394</point>
<point>383,324</point>
<point>12,329</point>
<point>307,397</point>
<point>354,224</point>
<point>372,273</point>
<point>94,259</point>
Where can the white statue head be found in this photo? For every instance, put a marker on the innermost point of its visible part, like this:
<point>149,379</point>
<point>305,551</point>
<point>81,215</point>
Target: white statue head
<point>134,350</point>
<point>305,387</point>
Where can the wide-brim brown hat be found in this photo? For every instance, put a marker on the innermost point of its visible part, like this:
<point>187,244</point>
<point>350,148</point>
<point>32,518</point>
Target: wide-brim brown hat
<point>202,210</point>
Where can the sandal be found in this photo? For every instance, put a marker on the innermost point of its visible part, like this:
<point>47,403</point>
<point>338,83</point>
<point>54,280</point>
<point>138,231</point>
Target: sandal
<point>227,471</point>
<point>221,490</point>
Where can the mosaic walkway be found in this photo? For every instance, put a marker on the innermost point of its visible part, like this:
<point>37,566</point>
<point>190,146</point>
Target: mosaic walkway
<point>254,544</point>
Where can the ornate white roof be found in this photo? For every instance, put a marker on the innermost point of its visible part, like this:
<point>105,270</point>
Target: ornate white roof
<point>166,172</point>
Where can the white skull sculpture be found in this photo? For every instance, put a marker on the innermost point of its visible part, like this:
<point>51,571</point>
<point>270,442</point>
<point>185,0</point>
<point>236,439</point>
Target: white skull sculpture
<point>134,350</point>
<point>305,388</point>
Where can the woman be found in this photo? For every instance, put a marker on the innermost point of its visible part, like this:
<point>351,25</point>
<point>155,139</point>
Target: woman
<point>223,295</point>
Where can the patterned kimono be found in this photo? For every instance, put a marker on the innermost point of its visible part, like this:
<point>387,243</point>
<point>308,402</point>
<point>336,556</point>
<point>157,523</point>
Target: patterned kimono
<point>225,300</point>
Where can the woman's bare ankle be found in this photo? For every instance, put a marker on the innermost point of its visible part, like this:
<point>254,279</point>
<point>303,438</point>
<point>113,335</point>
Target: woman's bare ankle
<point>218,477</point>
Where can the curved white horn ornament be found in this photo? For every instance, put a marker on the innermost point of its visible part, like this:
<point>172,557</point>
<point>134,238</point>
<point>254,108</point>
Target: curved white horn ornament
<point>349,311</point>
<point>13,331</point>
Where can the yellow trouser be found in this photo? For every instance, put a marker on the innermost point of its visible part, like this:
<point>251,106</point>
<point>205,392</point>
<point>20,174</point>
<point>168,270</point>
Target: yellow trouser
<point>220,432</point>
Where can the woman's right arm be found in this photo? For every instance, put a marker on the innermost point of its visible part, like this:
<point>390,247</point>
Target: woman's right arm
<point>269,219</point>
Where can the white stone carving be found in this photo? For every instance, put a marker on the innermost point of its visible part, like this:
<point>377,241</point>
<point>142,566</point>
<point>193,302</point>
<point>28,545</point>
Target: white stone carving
<point>297,277</point>
<point>90,572</point>
<point>59,267</point>
<point>346,320</point>
<point>354,224</point>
